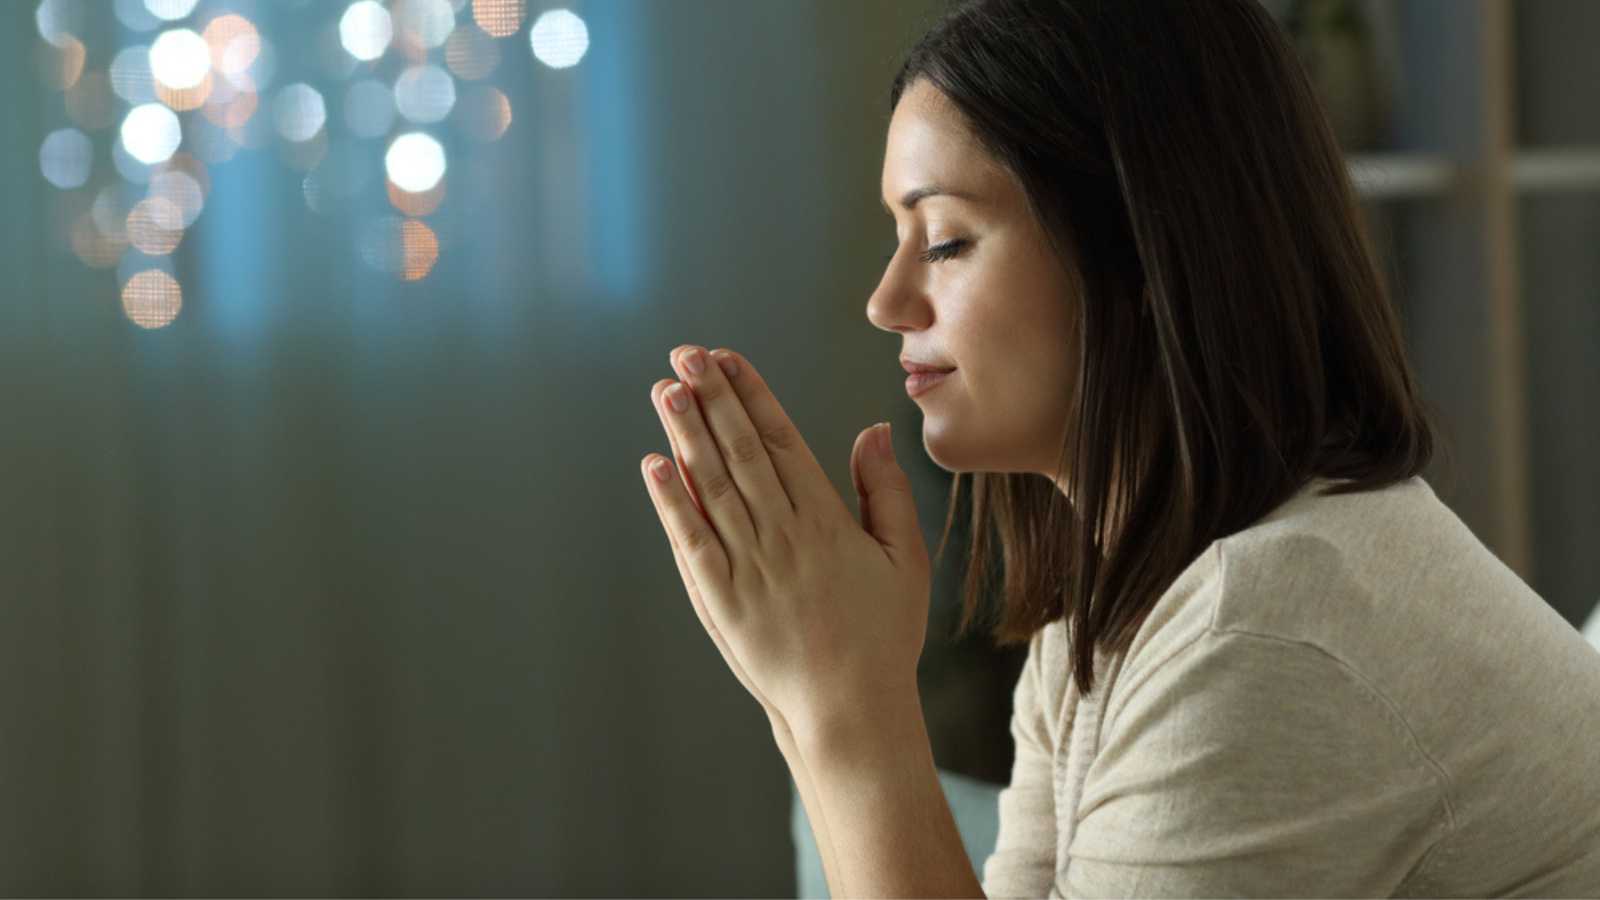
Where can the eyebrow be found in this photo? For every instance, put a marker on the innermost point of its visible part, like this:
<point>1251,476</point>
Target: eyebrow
<point>909,200</point>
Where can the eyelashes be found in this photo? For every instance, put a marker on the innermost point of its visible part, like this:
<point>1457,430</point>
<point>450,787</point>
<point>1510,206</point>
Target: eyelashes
<point>940,253</point>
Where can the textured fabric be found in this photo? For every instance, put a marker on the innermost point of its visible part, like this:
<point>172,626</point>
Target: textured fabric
<point>1351,698</point>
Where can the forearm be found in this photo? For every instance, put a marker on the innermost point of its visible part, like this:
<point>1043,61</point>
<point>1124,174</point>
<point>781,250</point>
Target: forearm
<point>878,792</point>
<point>808,798</point>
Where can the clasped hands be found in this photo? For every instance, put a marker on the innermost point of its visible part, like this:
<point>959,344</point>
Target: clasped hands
<point>820,617</point>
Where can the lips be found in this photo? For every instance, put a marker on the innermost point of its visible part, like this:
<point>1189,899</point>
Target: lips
<point>913,368</point>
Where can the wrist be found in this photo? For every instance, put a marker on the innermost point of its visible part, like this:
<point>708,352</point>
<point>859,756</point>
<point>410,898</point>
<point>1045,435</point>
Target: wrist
<point>890,719</point>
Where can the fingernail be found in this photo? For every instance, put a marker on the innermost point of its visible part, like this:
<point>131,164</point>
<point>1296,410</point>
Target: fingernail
<point>730,366</point>
<point>885,446</point>
<point>695,361</point>
<point>677,395</point>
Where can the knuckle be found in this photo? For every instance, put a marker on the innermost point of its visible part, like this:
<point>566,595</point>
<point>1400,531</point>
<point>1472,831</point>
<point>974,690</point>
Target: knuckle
<point>780,437</point>
<point>697,540</point>
<point>745,448</point>
<point>708,391</point>
<point>715,486</point>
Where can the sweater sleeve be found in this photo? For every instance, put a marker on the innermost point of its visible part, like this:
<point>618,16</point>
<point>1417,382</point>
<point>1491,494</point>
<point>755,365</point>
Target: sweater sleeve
<point>1024,858</point>
<point>1248,765</point>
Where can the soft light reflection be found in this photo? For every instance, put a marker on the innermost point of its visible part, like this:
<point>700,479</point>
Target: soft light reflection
<point>419,250</point>
<point>186,99</point>
<point>365,30</point>
<point>500,18</point>
<point>96,249</point>
<point>369,108</point>
<point>559,38</point>
<point>424,94</point>
<point>59,20</point>
<point>234,43</point>
<point>299,112</point>
<point>181,190</point>
<point>130,75</point>
<point>484,113</point>
<point>471,53</point>
<point>180,59</point>
<point>155,226</point>
<point>415,162</point>
<point>231,104</point>
<point>112,203</point>
<point>131,170</point>
<point>61,65</point>
<point>260,71</point>
<point>65,158</point>
<point>152,299</point>
<point>151,133</point>
<point>171,10</point>
<point>427,22</point>
<point>416,204</point>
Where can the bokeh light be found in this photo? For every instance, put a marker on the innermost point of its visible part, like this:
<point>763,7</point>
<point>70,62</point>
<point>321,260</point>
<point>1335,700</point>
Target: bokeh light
<point>65,158</point>
<point>559,38</point>
<point>232,102</point>
<point>171,10</point>
<point>299,112</point>
<point>234,43</point>
<point>155,226</point>
<point>415,162</point>
<point>60,66</point>
<point>365,30</point>
<point>419,248</point>
<point>419,204</point>
<point>152,299</point>
<point>471,53</point>
<point>93,246</point>
<point>425,22</point>
<point>151,133</point>
<point>180,59</point>
<point>186,99</point>
<point>59,20</point>
<point>484,113</point>
<point>181,190</point>
<point>498,18</point>
<point>112,203</point>
<point>424,94</point>
<point>130,75</point>
<point>132,170</point>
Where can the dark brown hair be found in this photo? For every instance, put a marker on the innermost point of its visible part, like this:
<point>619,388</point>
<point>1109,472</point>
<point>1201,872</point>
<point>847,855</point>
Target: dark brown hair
<point>1234,334</point>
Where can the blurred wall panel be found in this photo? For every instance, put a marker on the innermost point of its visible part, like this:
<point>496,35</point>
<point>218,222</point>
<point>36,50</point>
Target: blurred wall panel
<point>340,585</point>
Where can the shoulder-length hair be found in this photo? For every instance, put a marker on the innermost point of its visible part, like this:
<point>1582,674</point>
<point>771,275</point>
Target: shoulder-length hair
<point>1234,335</point>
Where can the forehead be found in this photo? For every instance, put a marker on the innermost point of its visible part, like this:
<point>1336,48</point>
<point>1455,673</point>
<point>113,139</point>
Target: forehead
<point>930,142</point>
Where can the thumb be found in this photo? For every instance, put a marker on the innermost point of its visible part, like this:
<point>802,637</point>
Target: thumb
<point>888,510</point>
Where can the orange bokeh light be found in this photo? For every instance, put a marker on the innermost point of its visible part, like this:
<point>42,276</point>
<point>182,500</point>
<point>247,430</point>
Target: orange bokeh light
<point>419,250</point>
<point>152,298</point>
<point>500,18</point>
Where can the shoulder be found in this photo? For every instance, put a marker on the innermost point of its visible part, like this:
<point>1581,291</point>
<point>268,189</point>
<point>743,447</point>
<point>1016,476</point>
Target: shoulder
<point>1321,570</point>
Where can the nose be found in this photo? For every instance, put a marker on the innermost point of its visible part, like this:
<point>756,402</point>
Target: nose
<point>897,305</point>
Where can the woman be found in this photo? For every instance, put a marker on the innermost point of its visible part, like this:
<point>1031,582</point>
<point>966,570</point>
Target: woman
<point>1307,675</point>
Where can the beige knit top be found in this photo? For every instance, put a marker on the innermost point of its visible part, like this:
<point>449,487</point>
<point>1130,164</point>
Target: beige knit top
<point>1351,698</point>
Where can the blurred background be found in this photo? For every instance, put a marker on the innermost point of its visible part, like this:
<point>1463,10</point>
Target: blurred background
<point>326,342</point>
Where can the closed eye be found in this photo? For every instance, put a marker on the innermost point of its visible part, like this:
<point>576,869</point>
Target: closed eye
<point>939,253</point>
